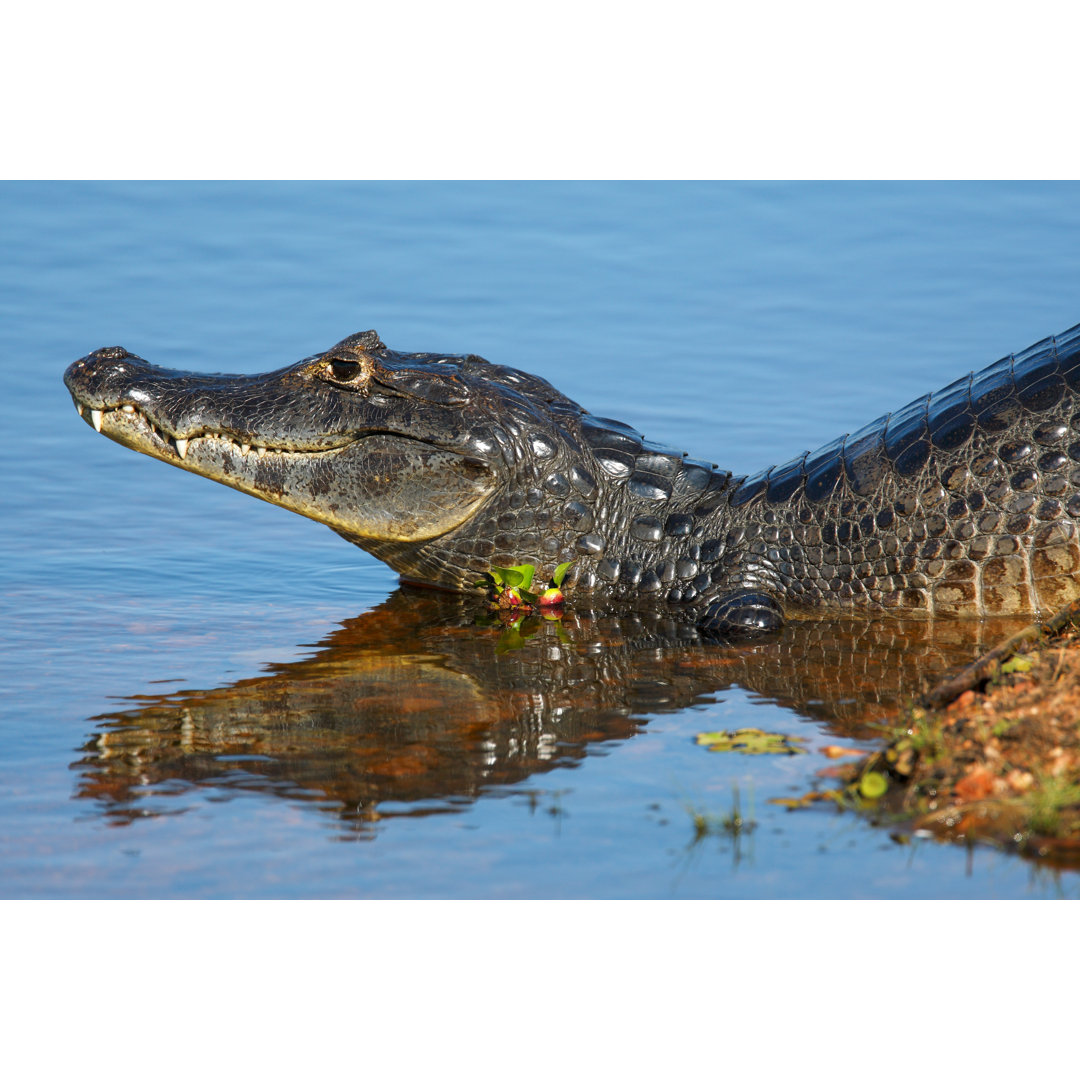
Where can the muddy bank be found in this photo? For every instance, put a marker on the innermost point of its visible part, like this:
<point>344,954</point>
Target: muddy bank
<point>989,755</point>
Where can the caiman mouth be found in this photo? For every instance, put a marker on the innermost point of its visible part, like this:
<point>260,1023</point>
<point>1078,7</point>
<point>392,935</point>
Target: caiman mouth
<point>370,485</point>
<point>125,420</point>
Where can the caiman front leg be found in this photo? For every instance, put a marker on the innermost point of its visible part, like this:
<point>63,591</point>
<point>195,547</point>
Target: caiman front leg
<point>742,614</point>
<point>746,602</point>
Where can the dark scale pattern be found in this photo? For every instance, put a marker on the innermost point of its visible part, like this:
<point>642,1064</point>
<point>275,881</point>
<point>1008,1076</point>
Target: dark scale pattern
<point>966,513</point>
<point>960,503</point>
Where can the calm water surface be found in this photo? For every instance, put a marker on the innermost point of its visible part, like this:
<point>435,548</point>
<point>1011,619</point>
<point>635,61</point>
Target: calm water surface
<point>205,696</point>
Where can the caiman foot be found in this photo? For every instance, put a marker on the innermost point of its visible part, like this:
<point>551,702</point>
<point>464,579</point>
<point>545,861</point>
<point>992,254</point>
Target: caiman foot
<point>742,615</point>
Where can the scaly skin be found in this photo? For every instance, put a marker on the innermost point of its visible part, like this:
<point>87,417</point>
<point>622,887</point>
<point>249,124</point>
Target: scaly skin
<point>963,503</point>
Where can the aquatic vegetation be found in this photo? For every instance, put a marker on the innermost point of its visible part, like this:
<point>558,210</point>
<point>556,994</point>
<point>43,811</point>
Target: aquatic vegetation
<point>510,588</point>
<point>750,741</point>
<point>1049,804</point>
<point>733,824</point>
<point>872,784</point>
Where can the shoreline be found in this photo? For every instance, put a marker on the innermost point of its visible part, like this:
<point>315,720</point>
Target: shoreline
<point>989,755</point>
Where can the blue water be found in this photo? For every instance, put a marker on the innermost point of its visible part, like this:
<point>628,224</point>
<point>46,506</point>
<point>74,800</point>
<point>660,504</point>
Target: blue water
<point>743,322</point>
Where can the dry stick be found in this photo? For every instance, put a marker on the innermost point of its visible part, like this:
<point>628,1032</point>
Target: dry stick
<point>987,665</point>
<point>1058,666</point>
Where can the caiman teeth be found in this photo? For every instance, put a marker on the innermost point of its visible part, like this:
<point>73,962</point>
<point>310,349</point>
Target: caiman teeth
<point>182,445</point>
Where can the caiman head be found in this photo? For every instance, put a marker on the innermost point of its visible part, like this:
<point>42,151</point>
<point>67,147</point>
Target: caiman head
<point>440,465</point>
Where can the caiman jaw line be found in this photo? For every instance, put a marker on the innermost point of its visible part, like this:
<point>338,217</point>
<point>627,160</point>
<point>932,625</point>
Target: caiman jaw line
<point>180,445</point>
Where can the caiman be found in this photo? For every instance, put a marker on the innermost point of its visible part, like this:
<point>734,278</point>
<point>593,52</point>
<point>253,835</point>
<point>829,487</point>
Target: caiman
<point>962,503</point>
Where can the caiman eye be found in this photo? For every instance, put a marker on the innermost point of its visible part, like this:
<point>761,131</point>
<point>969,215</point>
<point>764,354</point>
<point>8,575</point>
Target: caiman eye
<point>344,370</point>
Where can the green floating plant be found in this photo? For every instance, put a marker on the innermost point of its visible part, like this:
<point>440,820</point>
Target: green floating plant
<point>1016,664</point>
<point>872,785</point>
<point>750,741</point>
<point>512,586</point>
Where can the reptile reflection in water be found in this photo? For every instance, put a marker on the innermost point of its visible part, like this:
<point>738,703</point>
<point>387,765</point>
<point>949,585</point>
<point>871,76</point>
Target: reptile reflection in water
<point>412,708</point>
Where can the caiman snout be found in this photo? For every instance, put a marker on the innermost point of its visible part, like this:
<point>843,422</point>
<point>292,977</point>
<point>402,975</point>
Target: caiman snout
<point>94,378</point>
<point>113,352</point>
<point>112,358</point>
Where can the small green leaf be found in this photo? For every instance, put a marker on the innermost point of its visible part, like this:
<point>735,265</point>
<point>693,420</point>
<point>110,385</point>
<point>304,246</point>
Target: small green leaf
<point>1016,664</point>
<point>511,576</point>
<point>873,785</point>
<point>526,571</point>
<point>560,573</point>
<point>528,597</point>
